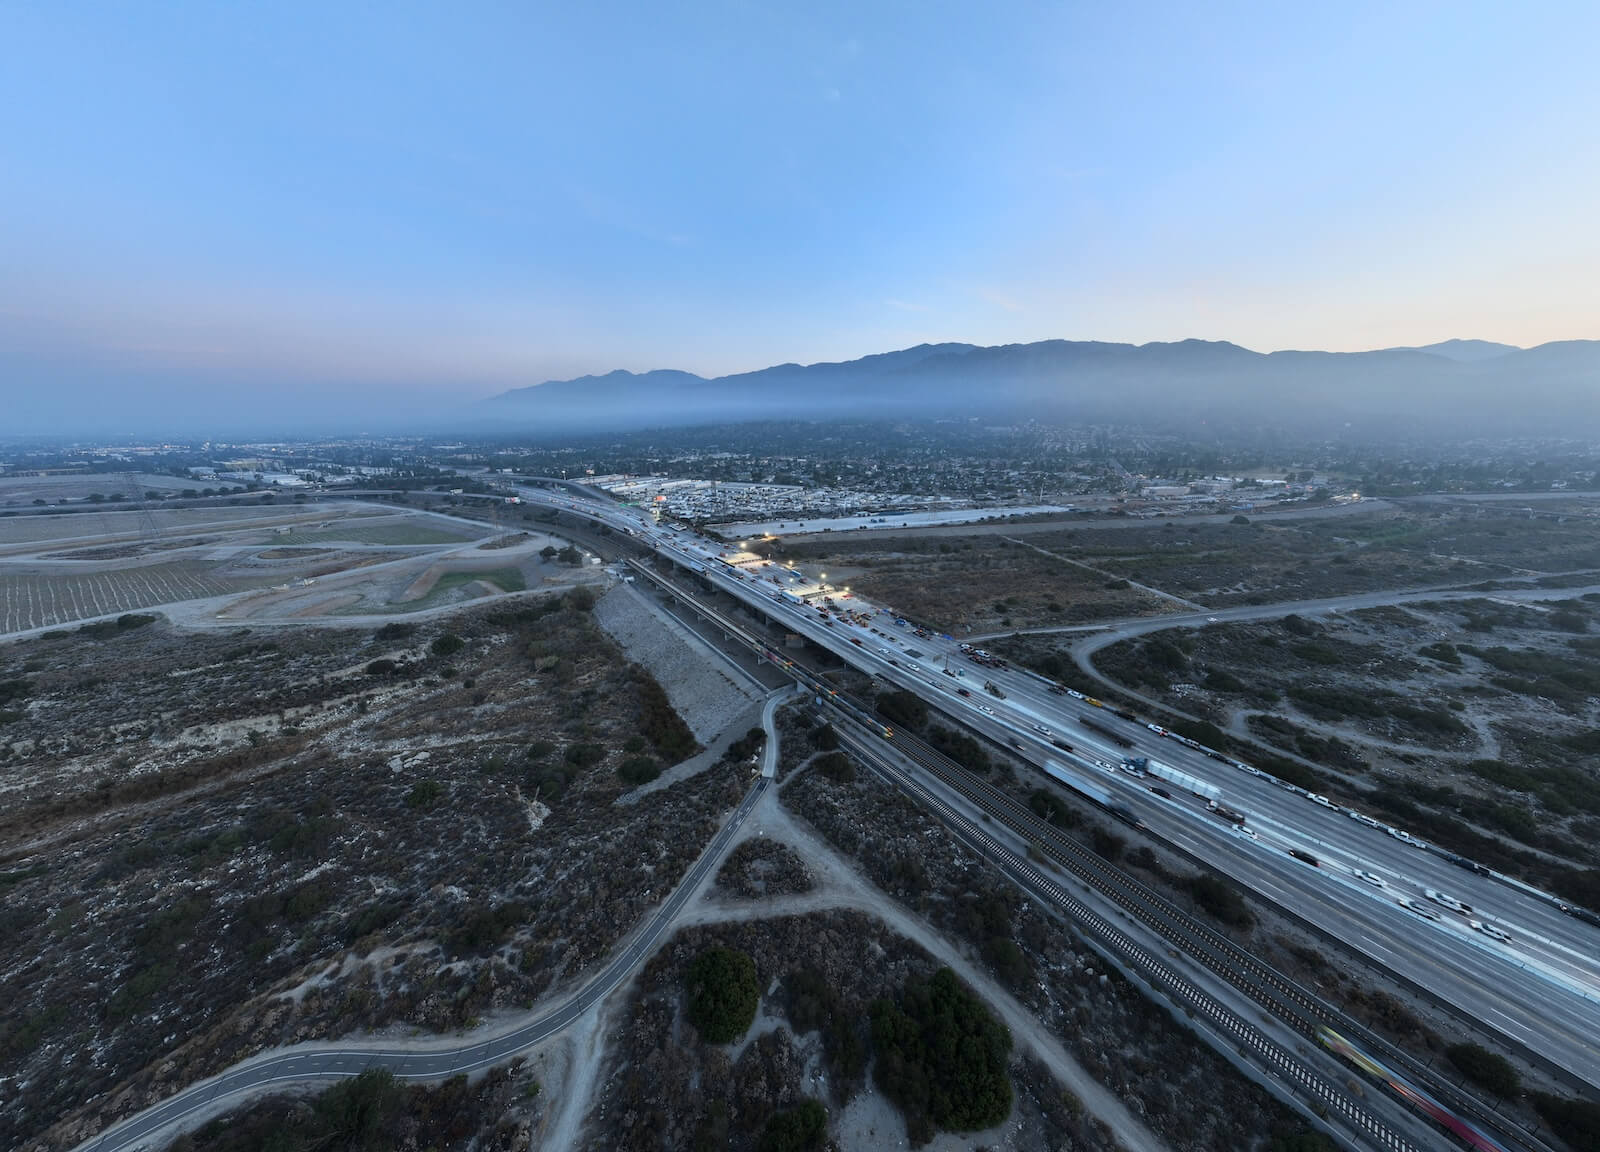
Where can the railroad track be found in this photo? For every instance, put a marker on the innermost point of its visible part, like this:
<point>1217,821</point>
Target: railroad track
<point>1158,976</point>
<point>1266,986</point>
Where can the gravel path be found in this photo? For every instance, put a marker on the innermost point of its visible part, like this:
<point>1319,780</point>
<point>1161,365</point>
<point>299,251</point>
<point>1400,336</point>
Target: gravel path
<point>705,694</point>
<point>836,884</point>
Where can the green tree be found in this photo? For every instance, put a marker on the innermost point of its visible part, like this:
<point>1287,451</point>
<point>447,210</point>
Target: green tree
<point>903,708</point>
<point>1575,1121</point>
<point>836,766</point>
<point>1488,1070</point>
<point>941,1057</point>
<point>636,770</point>
<point>424,794</point>
<point>722,994</point>
<point>357,1113</point>
<point>799,1129</point>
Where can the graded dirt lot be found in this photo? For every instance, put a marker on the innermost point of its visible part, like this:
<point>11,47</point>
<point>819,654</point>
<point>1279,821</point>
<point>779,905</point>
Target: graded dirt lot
<point>1060,574</point>
<point>965,585</point>
<point>25,491</point>
<point>217,842</point>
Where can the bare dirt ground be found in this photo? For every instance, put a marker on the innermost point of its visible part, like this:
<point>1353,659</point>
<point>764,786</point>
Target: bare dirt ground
<point>916,908</point>
<point>1065,574</point>
<point>968,585</point>
<point>834,882</point>
<point>22,491</point>
<point>220,842</point>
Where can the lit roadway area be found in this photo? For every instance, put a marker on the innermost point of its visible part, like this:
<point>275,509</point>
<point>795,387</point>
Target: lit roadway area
<point>1539,985</point>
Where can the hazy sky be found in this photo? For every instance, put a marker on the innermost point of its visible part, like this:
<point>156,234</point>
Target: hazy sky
<point>350,201</point>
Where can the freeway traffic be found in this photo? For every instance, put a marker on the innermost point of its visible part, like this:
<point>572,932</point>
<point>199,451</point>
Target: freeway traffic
<point>1539,986</point>
<point>927,771</point>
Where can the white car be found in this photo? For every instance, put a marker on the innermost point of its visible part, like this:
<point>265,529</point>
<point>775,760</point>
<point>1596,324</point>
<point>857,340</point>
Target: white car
<point>1400,834</point>
<point>1211,619</point>
<point>1040,728</point>
<point>1449,902</point>
<point>1490,931</point>
<point>1323,800</point>
<point>985,709</point>
<point>1422,910</point>
<point>1371,878</point>
<point>1241,830</point>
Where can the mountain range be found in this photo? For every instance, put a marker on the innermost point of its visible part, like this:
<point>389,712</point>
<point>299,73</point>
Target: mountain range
<point>1456,388</point>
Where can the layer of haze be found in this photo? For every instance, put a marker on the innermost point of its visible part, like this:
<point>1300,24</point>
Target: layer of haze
<point>308,212</point>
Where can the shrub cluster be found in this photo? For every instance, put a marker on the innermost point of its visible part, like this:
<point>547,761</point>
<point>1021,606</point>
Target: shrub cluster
<point>814,1005</point>
<point>745,746</point>
<point>941,1057</point>
<point>960,747</point>
<point>802,1128</point>
<point>903,708</point>
<point>1220,899</point>
<point>1575,1121</point>
<point>1488,1070</point>
<point>836,766</point>
<point>659,721</point>
<point>637,770</point>
<point>722,994</point>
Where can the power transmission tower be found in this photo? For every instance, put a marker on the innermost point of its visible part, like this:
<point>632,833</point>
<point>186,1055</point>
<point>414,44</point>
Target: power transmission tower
<point>149,533</point>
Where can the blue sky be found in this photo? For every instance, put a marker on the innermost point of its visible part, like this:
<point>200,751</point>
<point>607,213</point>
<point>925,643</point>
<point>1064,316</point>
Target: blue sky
<point>345,202</point>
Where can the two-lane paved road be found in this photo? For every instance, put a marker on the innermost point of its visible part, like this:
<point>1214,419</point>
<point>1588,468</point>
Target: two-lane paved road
<point>331,1061</point>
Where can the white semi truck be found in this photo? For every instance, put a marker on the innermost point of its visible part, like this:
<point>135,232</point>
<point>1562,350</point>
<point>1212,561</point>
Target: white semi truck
<point>1173,776</point>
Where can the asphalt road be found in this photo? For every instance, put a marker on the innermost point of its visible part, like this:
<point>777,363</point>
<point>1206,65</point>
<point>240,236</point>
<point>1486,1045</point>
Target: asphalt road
<point>1103,635</point>
<point>1542,990</point>
<point>316,1062</point>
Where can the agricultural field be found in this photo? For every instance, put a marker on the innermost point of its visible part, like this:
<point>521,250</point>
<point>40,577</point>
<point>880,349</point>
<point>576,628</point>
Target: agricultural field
<point>281,560</point>
<point>110,523</point>
<point>216,842</point>
<point>39,600</point>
